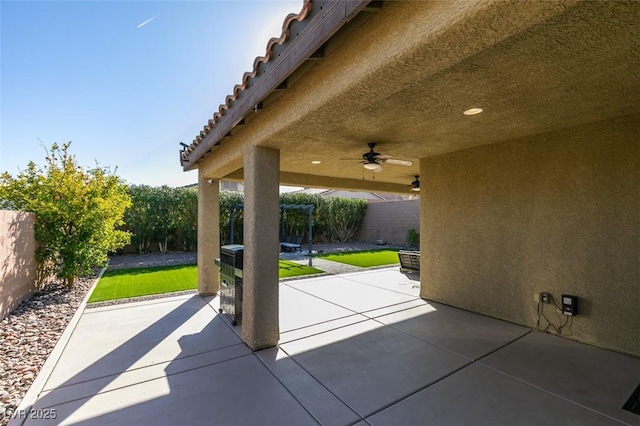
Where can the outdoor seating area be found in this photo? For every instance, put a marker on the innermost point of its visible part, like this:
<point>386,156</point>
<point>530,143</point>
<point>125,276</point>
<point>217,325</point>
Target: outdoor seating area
<point>409,260</point>
<point>359,348</point>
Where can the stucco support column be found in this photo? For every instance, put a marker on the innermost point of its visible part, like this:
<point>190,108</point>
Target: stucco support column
<point>424,223</point>
<point>260,307</point>
<point>208,235</point>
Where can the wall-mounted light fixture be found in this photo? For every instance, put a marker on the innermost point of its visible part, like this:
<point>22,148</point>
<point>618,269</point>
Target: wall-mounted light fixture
<point>415,185</point>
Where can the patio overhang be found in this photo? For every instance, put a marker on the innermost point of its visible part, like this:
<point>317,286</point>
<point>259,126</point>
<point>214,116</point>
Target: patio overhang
<point>536,193</point>
<point>301,41</point>
<point>403,76</point>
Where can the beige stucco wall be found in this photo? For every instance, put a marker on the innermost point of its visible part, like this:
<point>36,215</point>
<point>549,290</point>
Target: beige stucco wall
<point>557,212</point>
<point>17,254</point>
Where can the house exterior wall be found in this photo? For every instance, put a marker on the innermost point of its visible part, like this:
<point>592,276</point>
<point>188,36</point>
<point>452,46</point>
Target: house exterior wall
<point>390,221</point>
<point>557,212</point>
<point>18,264</point>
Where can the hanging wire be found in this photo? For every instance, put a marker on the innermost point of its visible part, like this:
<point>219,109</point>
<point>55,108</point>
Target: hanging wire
<point>550,326</point>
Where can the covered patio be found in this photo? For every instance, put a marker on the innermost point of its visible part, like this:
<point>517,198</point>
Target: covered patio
<point>520,118</point>
<point>359,348</point>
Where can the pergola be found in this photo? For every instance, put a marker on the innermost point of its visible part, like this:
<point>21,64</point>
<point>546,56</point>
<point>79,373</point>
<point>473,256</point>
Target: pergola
<point>539,192</point>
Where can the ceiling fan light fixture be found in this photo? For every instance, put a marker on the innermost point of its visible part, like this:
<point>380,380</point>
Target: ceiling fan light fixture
<point>372,166</point>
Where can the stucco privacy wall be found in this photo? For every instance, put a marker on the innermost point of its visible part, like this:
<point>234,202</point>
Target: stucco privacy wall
<point>557,212</point>
<point>17,251</point>
<point>390,221</point>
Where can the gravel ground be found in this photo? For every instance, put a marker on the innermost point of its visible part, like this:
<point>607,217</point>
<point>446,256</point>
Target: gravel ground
<point>29,334</point>
<point>152,259</point>
<point>186,258</point>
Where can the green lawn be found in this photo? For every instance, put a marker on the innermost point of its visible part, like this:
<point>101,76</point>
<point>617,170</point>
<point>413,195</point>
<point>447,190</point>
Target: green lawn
<point>123,283</point>
<point>293,269</point>
<point>365,258</point>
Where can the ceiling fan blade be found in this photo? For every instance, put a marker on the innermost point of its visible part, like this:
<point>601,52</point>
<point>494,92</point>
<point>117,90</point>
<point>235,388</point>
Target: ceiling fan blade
<point>399,162</point>
<point>383,157</point>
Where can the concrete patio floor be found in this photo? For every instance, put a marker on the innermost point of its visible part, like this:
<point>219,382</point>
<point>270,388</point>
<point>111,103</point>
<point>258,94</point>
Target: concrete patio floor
<point>357,348</point>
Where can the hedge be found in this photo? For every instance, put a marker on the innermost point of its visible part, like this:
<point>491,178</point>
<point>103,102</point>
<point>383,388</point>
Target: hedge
<point>168,217</point>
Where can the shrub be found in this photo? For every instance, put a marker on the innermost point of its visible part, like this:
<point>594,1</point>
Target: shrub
<point>296,221</point>
<point>138,218</point>
<point>413,238</point>
<point>162,214</point>
<point>343,218</point>
<point>228,199</point>
<point>77,212</point>
<point>187,217</point>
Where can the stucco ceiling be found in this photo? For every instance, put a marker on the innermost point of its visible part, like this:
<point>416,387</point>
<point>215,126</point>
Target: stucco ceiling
<point>402,77</point>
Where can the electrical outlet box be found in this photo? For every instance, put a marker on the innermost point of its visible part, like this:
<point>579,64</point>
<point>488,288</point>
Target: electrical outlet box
<point>569,305</point>
<point>543,297</point>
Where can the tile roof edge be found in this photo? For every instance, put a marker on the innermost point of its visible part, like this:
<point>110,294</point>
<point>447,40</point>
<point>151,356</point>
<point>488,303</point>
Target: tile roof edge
<point>238,88</point>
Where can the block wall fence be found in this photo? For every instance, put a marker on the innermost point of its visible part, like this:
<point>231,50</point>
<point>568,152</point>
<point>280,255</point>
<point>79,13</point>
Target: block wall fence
<point>18,267</point>
<point>390,220</point>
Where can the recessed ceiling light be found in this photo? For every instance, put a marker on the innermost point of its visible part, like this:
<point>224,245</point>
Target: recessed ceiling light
<point>316,162</point>
<point>473,111</point>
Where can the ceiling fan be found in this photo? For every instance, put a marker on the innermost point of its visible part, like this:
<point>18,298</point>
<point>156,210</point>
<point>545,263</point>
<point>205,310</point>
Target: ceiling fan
<point>373,160</point>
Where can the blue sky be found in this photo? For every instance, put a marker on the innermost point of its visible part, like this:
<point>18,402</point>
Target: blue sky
<point>124,94</point>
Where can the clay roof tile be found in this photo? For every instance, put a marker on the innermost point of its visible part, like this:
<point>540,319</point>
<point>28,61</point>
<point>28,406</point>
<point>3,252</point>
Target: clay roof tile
<point>292,17</point>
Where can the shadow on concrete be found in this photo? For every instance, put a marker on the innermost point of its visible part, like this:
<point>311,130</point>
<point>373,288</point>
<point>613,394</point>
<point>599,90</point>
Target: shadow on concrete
<point>405,366</point>
<point>117,361</point>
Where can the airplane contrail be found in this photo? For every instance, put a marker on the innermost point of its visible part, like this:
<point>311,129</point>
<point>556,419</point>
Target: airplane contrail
<point>146,22</point>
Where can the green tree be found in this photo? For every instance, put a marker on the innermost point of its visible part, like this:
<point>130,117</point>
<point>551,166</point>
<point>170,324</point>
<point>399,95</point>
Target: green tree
<point>187,216</point>
<point>341,218</point>
<point>296,222</point>
<point>163,214</point>
<point>228,199</point>
<point>137,217</point>
<point>77,212</point>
